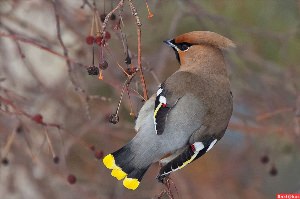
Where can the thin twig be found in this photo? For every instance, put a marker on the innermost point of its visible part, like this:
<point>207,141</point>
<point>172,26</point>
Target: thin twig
<point>65,50</point>
<point>119,5</point>
<point>139,34</point>
<point>36,44</point>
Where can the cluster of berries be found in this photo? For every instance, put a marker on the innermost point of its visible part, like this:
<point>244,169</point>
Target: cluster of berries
<point>265,160</point>
<point>96,38</point>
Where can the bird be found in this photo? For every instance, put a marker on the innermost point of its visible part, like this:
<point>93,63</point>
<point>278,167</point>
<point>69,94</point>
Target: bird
<point>185,118</point>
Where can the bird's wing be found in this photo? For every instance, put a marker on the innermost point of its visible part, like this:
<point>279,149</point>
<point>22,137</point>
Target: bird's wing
<point>176,93</point>
<point>191,153</point>
<point>162,107</point>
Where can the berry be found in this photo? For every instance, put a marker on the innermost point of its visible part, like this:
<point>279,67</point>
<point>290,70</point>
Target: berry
<point>114,118</point>
<point>99,155</point>
<point>130,71</point>
<point>56,159</point>
<point>273,171</point>
<point>113,17</point>
<point>99,40</point>
<point>71,179</point>
<point>38,118</point>
<point>90,40</point>
<point>19,129</point>
<point>107,36</point>
<point>128,60</point>
<point>103,65</point>
<point>92,148</point>
<point>93,70</point>
<point>5,161</point>
<point>102,17</point>
<point>264,159</point>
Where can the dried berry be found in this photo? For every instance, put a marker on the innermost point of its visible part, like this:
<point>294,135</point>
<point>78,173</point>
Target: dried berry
<point>128,60</point>
<point>90,40</point>
<point>99,155</point>
<point>103,65</point>
<point>102,17</point>
<point>5,161</point>
<point>107,35</point>
<point>113,17</point>
<point>114,118</point>
<point>56,159</point>
<point>99,40</point>
<point>273,171</point>
<point>264,159</point>
<point>71,179</point>
<point>130,71</point>
<point>19,129</point>
<point>92,148</point>
<point>93,70</point>
<point>38,118</point>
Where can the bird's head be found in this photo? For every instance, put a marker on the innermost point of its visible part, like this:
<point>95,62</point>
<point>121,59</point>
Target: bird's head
<point>190,45</point>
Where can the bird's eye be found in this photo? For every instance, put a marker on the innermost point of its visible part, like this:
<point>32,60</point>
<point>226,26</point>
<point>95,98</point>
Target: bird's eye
<point>184,46</point>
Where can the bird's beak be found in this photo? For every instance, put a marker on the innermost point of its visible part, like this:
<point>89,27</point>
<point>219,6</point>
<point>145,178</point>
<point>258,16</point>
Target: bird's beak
<point>169,43</point>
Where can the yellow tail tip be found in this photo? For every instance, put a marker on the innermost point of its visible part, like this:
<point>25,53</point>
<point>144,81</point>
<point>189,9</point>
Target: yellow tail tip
<point>131,183</point>
<point>109,161</point>
<point>118,173</point>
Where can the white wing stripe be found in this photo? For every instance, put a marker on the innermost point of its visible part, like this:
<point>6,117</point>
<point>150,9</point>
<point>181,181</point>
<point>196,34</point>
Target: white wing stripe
<point>212,144</point>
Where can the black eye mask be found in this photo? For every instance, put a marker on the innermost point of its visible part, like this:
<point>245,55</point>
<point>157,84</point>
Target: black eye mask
<point>182,46</point>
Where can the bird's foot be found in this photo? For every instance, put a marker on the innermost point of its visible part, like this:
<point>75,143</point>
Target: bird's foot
<point>163,178</point>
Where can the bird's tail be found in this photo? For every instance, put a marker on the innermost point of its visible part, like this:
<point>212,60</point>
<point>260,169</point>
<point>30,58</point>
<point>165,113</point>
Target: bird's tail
<point>122,166</point>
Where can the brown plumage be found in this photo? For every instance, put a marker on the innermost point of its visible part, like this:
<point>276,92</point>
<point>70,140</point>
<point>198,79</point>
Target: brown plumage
<point>205,38</point>
<point>186,117</point>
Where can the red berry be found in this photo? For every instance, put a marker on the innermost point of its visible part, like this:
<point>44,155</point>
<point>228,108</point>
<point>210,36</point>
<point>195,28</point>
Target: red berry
<point>99,40</point>
<point>72,179</point>
<point>107,35</point>
<point>90,39</point>
<point>38,118</point>
<point>99,155</point>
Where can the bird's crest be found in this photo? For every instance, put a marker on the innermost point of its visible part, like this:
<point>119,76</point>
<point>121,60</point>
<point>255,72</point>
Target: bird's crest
<point>205,37</point>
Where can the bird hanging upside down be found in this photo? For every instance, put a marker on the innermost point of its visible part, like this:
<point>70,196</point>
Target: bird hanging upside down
<point>187,115</point>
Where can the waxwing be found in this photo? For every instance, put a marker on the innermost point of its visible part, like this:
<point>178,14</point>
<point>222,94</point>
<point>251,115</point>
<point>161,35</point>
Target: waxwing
<point>187,115</point>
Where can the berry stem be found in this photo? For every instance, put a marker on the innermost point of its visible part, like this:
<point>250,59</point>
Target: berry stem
<point>104,7</point>
<point>125,85</point>
<point>49,142</point>
<point>93,23</point>
<point>93,48</point>
<point>8,143</point>
<point>150,14</point>
<point>101,54</point>
<point>100,75</point>
<point>130,103</point>
<point>98,21</point>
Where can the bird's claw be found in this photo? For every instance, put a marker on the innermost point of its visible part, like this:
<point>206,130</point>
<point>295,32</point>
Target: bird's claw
<point>162,178</point>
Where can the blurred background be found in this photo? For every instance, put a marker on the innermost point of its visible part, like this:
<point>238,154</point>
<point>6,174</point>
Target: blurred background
<point>54,117</point>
